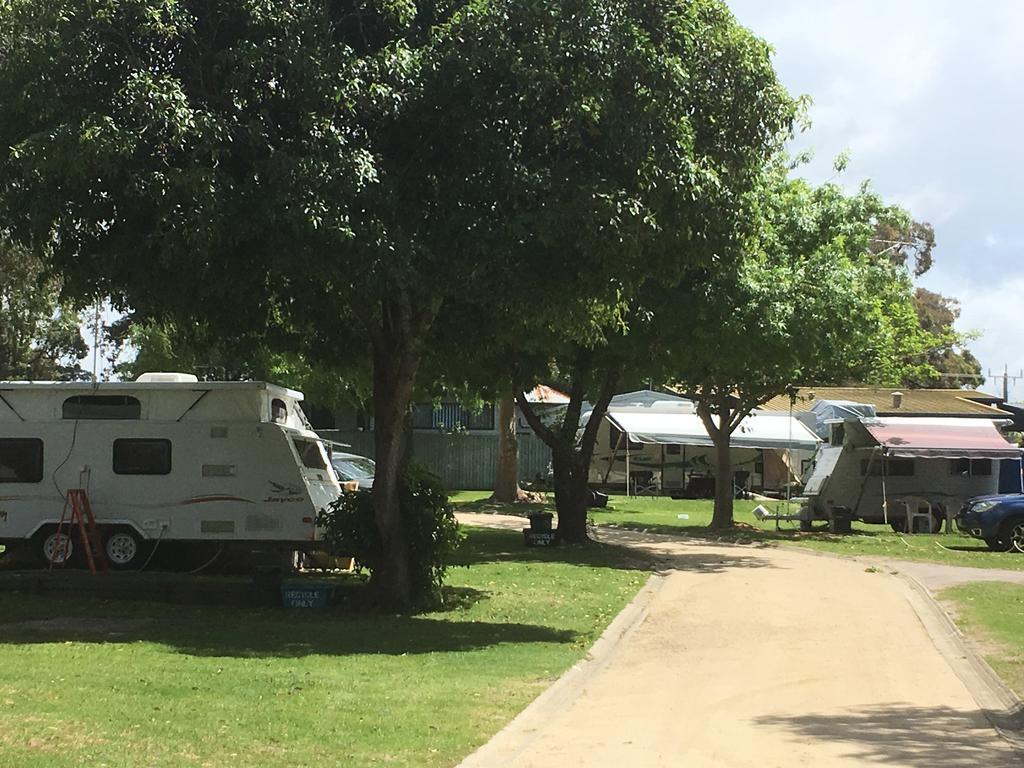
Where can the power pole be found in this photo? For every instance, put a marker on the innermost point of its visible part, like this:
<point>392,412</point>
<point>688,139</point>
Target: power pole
<point>1007,378</point>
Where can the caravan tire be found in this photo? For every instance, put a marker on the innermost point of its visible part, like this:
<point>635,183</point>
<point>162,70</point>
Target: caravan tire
<point>123,548</point>
<point>55,548</point>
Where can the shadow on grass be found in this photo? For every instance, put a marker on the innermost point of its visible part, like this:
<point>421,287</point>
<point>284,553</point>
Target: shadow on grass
<point>907,736</point>
<point>488,507</point>
<point>641,550</point>
<point>493,545</point>
<point>234,633</point>
<point>742,534</point>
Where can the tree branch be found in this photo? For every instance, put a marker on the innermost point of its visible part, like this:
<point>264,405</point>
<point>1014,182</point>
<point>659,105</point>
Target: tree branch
<point>539,427</point>
<point>608,387</point>
<point>581,376</point>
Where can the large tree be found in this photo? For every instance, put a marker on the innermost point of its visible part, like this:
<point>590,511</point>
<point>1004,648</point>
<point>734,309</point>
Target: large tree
<point>811,303</point>
<point>350,172</point>
<point>908,243</point>
<point>950,362</point>
<point>40,338</point>
<point>575,268</point>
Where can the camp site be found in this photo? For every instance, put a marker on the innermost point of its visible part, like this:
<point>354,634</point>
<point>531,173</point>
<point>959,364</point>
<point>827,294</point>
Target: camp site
<point>498,384</point>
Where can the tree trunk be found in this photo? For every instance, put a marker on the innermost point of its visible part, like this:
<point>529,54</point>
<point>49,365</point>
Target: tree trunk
<point>709,406</point>
<point>571,495</point>
<point>390,581</point>
<point>722,517</point>
<point>506,477</point>
<point>396,359</point>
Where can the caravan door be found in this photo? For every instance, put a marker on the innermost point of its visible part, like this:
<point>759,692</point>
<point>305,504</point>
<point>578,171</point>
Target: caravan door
<point>314,467</point>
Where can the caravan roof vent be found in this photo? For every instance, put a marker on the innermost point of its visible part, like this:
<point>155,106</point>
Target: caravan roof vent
<point>167,378</point>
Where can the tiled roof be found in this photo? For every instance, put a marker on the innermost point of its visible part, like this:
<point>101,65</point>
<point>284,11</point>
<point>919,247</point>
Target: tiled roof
<point>956,402</point>
<point>545,394</point>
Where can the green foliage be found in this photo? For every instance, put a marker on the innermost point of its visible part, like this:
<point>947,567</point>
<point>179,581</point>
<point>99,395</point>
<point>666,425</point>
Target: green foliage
<point>196,348</point>
<point>353,175</point>
<point>909,244</point>
<point>39,333</point>
<point>947,351</point>
<point>809,302</point>
<point>349,527</point>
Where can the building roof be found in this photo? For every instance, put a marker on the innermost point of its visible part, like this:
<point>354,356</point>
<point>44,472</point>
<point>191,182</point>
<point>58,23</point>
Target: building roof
<point>912,402</point>
<point>545,394</point>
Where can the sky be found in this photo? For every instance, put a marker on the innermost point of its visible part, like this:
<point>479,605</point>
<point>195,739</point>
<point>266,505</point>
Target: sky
<point>927,96</point>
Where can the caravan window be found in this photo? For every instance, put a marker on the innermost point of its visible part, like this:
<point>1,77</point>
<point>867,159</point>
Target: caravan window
<point>21,460</point>
<point>142,457</point>
<point>893,467</point>
<point>837,434</point>
<point>278,411</point>
<point>102,407</point>
<point>309,453</point>
<point>971,467</point>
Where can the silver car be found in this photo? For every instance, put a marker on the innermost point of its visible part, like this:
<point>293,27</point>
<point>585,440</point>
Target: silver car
<point>351,466</point>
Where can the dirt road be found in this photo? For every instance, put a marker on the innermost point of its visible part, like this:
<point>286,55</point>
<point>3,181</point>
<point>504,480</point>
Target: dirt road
<point>756,656</point>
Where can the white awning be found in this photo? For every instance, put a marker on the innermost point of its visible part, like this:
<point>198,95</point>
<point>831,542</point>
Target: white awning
<point>759,430</point>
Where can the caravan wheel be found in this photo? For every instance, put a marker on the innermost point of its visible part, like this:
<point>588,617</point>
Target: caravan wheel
<point>123,548</point>
<point>57,548</point>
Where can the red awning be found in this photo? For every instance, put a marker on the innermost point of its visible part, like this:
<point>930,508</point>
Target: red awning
<point>941,438</point>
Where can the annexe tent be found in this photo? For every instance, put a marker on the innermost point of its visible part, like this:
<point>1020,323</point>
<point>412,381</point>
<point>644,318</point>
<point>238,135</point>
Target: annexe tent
<point>759,430</point>
<point>655,419</point>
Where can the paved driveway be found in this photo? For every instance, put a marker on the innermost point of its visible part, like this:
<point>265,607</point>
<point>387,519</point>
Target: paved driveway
<point>758,656</point>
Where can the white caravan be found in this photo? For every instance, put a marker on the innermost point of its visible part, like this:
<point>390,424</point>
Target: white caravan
<point>164,458</point>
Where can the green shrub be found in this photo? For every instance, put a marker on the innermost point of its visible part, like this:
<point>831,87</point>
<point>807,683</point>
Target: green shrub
<point>348,527</point>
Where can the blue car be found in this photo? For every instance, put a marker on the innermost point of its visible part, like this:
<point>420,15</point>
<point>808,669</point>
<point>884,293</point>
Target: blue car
<point>999,520</point>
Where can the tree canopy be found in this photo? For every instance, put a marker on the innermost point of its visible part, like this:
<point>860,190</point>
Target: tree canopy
<point>341,176</point>
<point>950,362</point>
<point>39,334</point>
<point>811,303</point>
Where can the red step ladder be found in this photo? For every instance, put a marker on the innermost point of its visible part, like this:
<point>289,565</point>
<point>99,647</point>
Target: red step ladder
<point>81,516</point>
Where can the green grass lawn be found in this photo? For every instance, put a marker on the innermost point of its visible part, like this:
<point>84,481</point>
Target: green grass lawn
<point>993,615</point>
<point>690,517</point>
<point>114,683</point>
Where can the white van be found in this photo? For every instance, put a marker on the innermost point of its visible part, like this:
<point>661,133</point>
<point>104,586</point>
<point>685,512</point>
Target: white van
<point>164,458</point>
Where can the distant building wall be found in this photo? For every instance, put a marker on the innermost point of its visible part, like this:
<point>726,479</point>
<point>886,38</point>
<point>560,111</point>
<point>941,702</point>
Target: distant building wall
<point>464,461</point>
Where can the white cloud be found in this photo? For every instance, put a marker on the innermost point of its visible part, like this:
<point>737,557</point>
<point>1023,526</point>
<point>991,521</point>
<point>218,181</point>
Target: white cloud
<point>1004,243</point>
<point>931,202</point>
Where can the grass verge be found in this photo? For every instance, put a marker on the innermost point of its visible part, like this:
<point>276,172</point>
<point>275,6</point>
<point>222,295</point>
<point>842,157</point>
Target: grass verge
<point>690,517</point>
<point>113,683</point>
<point>992,615</point>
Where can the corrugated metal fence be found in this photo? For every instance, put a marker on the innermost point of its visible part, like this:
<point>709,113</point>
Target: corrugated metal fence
<point>463,460</point>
